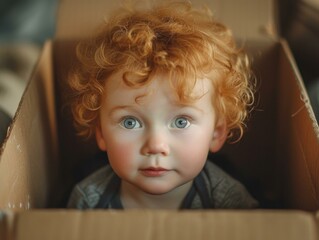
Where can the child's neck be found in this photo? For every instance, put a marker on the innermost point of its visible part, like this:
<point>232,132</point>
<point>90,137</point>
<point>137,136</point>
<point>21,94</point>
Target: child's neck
<point>133,197</point>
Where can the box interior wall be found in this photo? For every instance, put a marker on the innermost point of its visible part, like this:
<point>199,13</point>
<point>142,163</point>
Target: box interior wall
<point>258,160</point>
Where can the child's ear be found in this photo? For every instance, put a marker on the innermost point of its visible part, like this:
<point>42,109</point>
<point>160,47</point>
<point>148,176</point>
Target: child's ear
<point>99,138</point>
<point>219,136</point>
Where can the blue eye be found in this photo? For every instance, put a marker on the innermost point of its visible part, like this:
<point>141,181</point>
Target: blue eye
<point>181,122</point>
<point>130,123</point>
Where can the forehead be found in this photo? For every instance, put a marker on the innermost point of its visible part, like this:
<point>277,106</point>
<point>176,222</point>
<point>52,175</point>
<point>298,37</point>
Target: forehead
<point>116,89</point>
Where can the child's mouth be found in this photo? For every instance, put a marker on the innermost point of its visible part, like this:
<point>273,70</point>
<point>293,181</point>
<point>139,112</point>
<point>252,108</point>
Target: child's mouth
<point>154,171</point>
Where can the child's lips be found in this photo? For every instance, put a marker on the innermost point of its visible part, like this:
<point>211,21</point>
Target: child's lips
<point>154,171</point>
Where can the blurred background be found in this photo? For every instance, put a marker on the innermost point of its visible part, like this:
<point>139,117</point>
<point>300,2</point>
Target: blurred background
<point>26,24</point>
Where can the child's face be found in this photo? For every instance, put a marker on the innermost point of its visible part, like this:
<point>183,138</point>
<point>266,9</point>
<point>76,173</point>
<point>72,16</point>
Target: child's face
<point>153,142</point>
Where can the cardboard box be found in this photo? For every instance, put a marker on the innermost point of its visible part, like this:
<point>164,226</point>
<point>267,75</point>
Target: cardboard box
<point>162,225</point>
<point>278,158</point>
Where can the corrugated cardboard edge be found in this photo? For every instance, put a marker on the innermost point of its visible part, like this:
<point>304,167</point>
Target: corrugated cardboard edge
<point>164,224</point>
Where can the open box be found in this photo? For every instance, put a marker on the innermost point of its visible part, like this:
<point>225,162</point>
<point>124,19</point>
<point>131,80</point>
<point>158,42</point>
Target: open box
<point>278,158</point>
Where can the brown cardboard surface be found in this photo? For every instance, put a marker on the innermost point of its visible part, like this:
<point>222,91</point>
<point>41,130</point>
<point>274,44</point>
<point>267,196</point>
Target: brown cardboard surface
<point>249,19</point>
<point>164,225</point>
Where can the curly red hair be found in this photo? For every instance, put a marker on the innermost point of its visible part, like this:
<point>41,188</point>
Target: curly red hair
<point>178,39</point>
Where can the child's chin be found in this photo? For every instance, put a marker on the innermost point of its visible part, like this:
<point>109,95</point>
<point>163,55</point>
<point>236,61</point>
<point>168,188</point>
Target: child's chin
<point>157,190</point>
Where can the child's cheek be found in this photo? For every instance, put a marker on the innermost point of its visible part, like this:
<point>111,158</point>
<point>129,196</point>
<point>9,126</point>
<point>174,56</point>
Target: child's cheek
<point>119,162</point>
<point>194,150</point>
<point>121,152</point>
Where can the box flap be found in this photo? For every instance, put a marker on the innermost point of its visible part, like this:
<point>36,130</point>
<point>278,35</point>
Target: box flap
<point>297,138</point>
<point>247,18</point>
<point>28,155</point>
<point>164,225</point>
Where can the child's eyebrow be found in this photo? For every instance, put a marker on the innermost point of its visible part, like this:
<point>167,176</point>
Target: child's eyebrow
<point>185,106</point>
<point>177,106</point>
<point>117,108</point>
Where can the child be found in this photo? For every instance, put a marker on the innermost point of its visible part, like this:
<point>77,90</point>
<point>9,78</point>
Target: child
<point>159,89</point>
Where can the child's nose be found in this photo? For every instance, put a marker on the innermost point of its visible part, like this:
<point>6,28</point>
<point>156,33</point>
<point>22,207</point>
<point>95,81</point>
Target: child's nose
<point>156,143</point>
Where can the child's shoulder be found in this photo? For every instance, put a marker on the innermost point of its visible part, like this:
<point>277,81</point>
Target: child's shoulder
<point>87,193</point>
<point>98,180</point>
<point>215,173</point>
<point>226,191</point>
